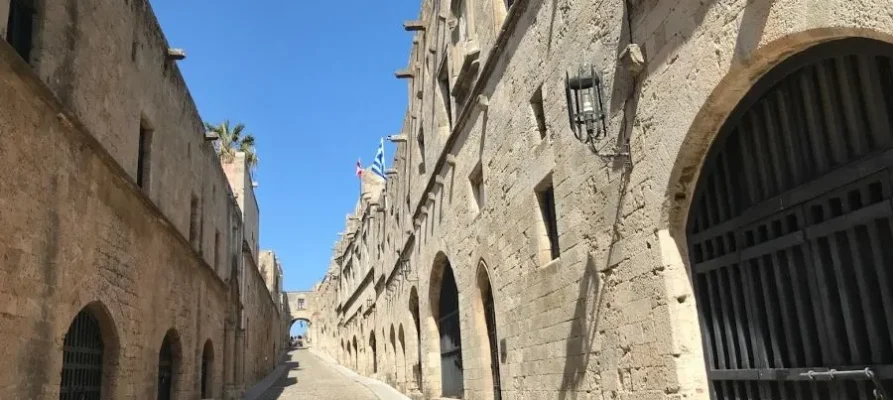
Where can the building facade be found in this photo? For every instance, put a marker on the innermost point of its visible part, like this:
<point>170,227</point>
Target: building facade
<point>628,199</point>
<point>128,259</point>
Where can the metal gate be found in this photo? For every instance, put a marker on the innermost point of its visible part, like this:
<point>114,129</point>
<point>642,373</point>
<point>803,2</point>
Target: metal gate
<point>490,315</point>
<point>790,233</point>
<point>82,359</point>
<point>450,337</point>
<point>165,370</point>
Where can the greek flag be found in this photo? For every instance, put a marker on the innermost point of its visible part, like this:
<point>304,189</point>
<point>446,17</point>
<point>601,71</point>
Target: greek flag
<point>378,164</point>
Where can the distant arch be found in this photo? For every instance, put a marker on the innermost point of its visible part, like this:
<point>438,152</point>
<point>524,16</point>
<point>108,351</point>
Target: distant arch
<point>485,329</point>
<point>401,356</point>
<point>207,375</point>
<point>444,324</point>
<point>417,337</point>
<point>395,367</point>
<point>170,361</point>
<point>374,352</point>
<point>356,355</point>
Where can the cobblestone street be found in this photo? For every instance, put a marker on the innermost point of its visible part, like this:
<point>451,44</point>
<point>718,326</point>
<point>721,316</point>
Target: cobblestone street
<point>314,378</point>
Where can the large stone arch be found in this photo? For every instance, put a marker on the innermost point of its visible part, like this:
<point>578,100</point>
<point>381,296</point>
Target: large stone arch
<point>401,358</point>
<point>442,273</point>
<point>414,342</point>
<point>742,88</point>
<point>111,346</point>
<point>485,335</point>
<point>297,311</point>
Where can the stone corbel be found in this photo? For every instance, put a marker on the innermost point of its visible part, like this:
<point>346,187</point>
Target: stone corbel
<point>397,138</point>
<point>414,26</point>
<point>451,159</point>
<point>482,103</point>
<point>404,74</point>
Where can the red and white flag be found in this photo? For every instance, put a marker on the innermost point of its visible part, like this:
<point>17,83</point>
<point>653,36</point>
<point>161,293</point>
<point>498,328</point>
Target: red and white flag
<point>359,169</point>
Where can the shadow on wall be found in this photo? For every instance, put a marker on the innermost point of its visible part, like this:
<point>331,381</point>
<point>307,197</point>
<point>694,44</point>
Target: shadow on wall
<point>583,331</point>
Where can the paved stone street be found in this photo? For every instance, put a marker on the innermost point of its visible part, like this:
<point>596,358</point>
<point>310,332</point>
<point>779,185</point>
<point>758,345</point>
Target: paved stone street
<point>313,378</point>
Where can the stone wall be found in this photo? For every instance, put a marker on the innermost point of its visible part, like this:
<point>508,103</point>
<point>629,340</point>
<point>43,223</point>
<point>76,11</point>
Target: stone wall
<point>163,256</point>
<point>613,316</point>
<point>78,233</point>
<point>262,330</point>
<point>106,63</point>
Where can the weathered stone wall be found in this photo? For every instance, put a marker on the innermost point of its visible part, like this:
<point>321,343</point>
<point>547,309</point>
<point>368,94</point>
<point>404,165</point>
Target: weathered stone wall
<point>239,176</point>
<point>614,315</point>
<point>104,67</point>
<point>78,232</point>
<point>106,63</point>
<point>263,324</point>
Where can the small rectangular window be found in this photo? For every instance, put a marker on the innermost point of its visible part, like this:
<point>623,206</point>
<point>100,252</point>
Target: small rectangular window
<point>476,179</point>
<point>443,81</point>
<point>546,198</point>
<point>144,157</point>
<point>421,141</point>
<point>193,221</point>
<point>19,28</point>
<point>216,249</point>
<point>539,115</point>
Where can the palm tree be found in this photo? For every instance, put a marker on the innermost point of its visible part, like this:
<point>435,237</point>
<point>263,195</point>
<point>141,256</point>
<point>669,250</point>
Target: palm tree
<point>231,140</point>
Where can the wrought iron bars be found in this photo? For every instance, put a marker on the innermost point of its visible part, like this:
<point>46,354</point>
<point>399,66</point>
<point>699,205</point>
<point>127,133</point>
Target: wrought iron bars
<point>82,360</point>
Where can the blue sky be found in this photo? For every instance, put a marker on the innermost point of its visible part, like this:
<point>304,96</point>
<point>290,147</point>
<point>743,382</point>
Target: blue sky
<point>314,82</point>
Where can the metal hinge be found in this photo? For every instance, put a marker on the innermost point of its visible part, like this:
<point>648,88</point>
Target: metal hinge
<point>879,392</point>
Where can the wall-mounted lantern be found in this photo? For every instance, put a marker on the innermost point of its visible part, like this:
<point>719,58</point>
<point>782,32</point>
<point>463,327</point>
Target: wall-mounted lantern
<point>585,103</point>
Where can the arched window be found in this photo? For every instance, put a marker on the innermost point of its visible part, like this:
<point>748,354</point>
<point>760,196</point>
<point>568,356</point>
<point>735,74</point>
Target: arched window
<point>82,359</point>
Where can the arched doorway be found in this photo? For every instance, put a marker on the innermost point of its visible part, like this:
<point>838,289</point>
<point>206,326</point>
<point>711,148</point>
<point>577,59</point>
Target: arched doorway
<point>169,357</point>
<point>395,365</point>
<point>88,350</point>
<point>487,320</point>
<point>374,352</point>
<point>299,332</point>
<point>790,229</point>
<point>207,380</point>
<point>356,355</point>
<point>401,356</point>
<point>445,310</point>
<point>414,311</point>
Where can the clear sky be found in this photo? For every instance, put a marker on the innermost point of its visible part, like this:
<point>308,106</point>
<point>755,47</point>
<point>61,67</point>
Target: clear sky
<point>314,82</point>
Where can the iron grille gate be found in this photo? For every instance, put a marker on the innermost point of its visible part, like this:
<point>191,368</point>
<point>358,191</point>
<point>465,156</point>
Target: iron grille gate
<point>490,314</point>
<point>82,360</point>
<point>165,370</point>
<point>791,232</point>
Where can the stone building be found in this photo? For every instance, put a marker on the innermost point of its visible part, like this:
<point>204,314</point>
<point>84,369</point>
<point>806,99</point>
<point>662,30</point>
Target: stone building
<point>128,269</point>
<point>629,199</point>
